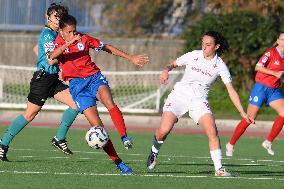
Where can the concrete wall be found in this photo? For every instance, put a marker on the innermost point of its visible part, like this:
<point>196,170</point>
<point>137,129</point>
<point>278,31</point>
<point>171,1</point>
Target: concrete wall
<point>16,49</point>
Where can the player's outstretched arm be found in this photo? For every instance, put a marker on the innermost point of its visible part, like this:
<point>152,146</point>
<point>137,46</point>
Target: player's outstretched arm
<point>58,51</point>
<point>139,60</point>
<point>268,71</point>
<point>236,101</point>
<point>165,73</point>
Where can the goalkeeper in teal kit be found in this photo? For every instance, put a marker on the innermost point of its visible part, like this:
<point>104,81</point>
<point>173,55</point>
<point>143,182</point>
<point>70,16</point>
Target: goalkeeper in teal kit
<point>45,84</point>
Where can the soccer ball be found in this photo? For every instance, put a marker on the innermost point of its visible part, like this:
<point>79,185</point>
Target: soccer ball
<point>97,137</point>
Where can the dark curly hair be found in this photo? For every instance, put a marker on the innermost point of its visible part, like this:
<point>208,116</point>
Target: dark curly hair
<point>59,9</point>
<point>219,39</point>
<point>67,20</point>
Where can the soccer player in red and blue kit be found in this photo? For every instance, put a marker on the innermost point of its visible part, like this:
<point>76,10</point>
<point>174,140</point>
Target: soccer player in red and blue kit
<point>87,83</point>
<point>266,91</point>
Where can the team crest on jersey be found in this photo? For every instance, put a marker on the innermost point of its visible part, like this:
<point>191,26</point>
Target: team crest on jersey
<point>264,59</point>
<point>80,46</point>
<point>195,59</point>
<point>214,65</point>
<point>277,63</point>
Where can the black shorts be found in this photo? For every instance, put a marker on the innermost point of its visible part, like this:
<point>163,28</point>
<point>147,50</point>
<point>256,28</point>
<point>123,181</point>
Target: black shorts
<point>44,87</point>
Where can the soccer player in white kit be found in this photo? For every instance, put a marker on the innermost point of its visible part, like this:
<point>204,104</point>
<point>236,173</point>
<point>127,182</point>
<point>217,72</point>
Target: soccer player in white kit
<point>191,93</point>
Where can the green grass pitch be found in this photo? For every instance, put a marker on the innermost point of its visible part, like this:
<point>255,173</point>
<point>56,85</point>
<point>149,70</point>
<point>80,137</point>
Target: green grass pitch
<point>183,163</point>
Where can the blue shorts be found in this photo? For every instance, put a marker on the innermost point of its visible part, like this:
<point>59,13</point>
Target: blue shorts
<point>262,94</point>
<point>84,90</point>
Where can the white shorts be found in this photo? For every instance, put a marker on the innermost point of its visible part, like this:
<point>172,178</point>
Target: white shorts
<point>179,102</point>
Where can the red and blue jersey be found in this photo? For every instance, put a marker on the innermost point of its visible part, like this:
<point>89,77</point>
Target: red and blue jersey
<point>75,61</point>
<point>271,59</point>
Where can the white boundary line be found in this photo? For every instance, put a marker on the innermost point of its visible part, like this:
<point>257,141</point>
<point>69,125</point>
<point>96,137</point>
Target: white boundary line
<point>142,160</point>
<point>143,175</point>
<point>161,155</point>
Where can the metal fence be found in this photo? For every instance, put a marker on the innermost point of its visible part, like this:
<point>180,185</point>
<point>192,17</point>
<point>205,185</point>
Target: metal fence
<point>29,15</point>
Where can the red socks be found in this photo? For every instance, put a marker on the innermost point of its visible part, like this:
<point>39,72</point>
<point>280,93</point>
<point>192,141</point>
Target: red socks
<point>241,127</point>
<point>276,128</point>
<point>239,130</point>
<point>109,149</point>
<point>118,121</point>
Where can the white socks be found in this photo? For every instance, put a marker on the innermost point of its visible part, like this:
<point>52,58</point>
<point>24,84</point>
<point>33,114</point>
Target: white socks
<point>156,145</point>
<point>216,156</point>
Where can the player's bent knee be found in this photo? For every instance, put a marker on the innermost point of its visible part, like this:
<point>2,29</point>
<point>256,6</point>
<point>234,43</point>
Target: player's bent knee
<point>109,104</point>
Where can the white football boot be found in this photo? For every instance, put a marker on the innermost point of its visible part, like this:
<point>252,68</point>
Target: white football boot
<point>229,149</point>
<point>268,146</point>
<point>222,173</point>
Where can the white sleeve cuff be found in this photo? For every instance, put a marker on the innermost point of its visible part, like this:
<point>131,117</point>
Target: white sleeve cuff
<point>100,46</point>
<point>260,64</point>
